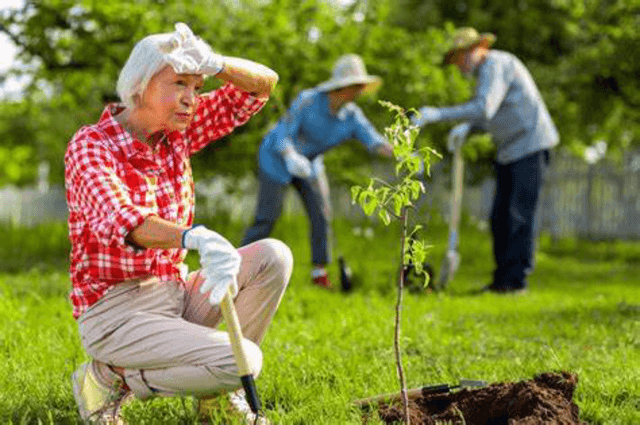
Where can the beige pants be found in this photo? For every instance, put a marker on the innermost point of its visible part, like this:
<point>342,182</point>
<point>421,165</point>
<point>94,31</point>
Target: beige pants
<point>163,333</point>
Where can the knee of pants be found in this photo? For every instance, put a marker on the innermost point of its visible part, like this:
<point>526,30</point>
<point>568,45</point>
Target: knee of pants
<point>278,256</point>
<point>253,356</point>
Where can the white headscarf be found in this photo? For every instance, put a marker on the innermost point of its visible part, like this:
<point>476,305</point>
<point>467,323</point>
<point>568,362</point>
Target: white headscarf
<point>186,53</point>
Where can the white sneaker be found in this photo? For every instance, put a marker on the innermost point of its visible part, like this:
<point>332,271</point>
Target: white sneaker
<point>97,403</point>
<point>238,401</point>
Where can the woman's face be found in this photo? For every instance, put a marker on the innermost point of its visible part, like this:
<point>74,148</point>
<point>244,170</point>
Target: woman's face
<point>464,62</point>
<point>350,93</point>
<point>469,60</point>
<point>170,101</point>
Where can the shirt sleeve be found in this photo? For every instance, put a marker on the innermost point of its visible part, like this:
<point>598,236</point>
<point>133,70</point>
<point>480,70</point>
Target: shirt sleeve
<point>97,193</point>
<point>364,131</point>
<point>492,85</point>
<point>293,121</point>
<point>219,112</point>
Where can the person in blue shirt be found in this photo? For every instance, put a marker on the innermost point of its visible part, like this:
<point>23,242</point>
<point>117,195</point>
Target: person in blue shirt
<point>320,119</point>
<point>508,105</point>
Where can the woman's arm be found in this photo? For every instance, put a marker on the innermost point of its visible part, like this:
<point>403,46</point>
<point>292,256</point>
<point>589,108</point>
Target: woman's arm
<point>155,232</point>
<point>249,76</point>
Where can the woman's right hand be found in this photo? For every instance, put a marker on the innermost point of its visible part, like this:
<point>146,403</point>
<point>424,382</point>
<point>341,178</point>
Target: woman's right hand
<point>457,136</point>
<point>297,164</point>
<point>220,261</point>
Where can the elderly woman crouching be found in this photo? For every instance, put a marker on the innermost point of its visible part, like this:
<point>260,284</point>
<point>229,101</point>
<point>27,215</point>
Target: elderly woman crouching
<point>148,324</point>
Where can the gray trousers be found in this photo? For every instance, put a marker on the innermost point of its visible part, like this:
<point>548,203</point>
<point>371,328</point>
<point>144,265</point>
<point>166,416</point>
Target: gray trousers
<point>315,197</point>
<point>163,333</point>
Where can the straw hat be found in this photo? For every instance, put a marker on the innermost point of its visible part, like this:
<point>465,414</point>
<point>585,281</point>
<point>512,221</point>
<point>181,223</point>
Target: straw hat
<point>464,39</point>
<point>350,70</point>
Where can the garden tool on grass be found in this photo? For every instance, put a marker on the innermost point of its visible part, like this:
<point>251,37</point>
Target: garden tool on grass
<point>235,335</point>
<point>346,283</point>
<point>345,275</point>
<point>451,258</point>
<point>322,186</point>
<point>422,391</point>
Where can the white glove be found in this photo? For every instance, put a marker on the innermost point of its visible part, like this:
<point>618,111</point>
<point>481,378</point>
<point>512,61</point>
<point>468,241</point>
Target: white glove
<point>457,136</point>
<point>298,165</point>
<point>427,115</point>
<point>189,54</point>
<point>317,167</point>
<point>219,259</point>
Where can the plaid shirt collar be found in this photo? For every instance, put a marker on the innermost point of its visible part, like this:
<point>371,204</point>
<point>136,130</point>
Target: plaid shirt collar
<point>131,146</point>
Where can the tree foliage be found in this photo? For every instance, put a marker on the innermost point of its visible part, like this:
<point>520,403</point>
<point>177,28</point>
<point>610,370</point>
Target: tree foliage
<point>582,54</point>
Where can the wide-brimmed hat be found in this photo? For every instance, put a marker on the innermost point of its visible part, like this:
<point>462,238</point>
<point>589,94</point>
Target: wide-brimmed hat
<point>464,39</point>
<point>348,71</point>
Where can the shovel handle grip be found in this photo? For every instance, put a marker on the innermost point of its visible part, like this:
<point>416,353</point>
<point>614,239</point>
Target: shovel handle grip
<point>235,335</point>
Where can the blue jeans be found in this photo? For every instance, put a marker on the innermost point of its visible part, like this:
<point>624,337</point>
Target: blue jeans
<point>270,197</point>
<point>518,187</point>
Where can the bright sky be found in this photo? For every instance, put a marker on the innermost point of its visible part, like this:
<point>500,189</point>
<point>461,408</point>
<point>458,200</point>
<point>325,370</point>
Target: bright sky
<point>6,47</point>
<point>8,51</point>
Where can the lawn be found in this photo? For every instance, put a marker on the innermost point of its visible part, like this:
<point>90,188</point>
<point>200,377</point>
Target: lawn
<point>324,349</point>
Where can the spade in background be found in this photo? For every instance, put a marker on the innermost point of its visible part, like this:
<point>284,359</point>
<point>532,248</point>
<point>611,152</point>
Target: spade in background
<point>346,284</point>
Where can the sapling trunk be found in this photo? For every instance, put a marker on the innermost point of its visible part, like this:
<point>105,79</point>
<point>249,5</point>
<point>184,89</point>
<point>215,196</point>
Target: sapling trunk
<point>393,201</point>
<point>398,320</point>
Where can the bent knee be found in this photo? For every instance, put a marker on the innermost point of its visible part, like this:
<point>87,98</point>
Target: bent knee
<point>277,254</point>
<point>253,356</point>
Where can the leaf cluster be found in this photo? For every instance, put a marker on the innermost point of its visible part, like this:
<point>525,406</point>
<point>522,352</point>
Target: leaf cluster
<point>393,200</point>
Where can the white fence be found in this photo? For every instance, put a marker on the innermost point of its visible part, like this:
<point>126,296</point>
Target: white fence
<point>594,201</point>
<point>579,199</point>
<point>28,207</point>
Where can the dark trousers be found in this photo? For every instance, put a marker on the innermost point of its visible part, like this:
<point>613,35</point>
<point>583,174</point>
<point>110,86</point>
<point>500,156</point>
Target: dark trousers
<point>270,197</point>
<point>518,188</point>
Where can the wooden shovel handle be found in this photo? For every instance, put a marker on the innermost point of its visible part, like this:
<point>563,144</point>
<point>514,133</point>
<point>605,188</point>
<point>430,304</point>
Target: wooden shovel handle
<point>235,333</point>
<point>457,186</point>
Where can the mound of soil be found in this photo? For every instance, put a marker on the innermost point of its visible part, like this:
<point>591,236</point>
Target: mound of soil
<point>544,400</point>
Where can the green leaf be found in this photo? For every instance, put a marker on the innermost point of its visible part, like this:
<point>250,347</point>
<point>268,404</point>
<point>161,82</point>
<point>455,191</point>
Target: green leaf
<point>384,216</point>
<point>397,203</point>
<point>369,205</point>
<point>355,190</point>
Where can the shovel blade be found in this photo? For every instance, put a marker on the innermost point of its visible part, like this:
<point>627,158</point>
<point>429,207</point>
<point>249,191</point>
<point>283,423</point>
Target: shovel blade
<point>448,268</point>
<point>345,275</point>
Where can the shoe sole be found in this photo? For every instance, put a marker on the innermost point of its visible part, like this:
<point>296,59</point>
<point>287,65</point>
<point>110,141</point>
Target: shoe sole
<point>75,378</point>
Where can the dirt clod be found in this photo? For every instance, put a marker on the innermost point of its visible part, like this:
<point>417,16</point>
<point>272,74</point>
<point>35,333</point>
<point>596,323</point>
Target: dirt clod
<point>544,400</point>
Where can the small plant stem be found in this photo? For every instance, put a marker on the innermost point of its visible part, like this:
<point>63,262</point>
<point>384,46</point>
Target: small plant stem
<point>396,336</point>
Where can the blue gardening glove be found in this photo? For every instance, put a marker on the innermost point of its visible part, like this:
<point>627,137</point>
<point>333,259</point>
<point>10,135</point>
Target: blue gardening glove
<point>219,259</point>
<point>457,136</point>
<point>426,115</point>
<point>297,165</point>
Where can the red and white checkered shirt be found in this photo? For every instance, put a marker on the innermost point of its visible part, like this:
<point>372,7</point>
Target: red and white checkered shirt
<point>113,182</point>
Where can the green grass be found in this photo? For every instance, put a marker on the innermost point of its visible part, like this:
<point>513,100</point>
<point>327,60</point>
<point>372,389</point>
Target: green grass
<point>326,349</point>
